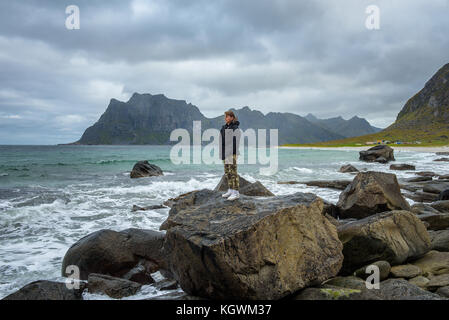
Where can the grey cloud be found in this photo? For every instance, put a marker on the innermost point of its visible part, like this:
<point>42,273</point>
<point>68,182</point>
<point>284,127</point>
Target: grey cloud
<point>272,55</point>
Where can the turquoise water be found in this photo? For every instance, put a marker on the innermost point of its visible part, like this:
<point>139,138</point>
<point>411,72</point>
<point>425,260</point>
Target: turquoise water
<point>51,196</point>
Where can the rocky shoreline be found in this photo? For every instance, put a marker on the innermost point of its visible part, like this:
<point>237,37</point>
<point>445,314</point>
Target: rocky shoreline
<point>264,246</point>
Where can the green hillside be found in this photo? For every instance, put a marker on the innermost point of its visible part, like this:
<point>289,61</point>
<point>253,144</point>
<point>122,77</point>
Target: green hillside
<point>423,121</point>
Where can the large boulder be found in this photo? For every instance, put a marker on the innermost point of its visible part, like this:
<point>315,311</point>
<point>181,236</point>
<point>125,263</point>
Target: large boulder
<point>250,248</point>
<point>114,287</point>
<point>395,236</point>
<point>380,153</point>
<point>47,290</point>
<point>246,187</point>
<point>116,253</point>
<point>145,169</point>
<point>370,193</point>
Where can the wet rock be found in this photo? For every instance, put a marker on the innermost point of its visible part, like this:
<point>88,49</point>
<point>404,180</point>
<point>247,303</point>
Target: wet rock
<point>370,193</point>
<point>230,249</point>
<point>331,184</point>
<point>167,284</point>
<point>443,153</point>
<point>426,174</point>
<point>348,168</point>
<point>145,169</point>
<point>246,187</point>
<point>395,236</point>
<point>406,271</point>
<point>402,166</point>
<point>113,287</point>
<point>442,159</point>
<point>418,179</point>
<point>114,253</point>
<point>47,290</point>
<point>380,153</point>
<point>154,207</point>
<point>141,273</point>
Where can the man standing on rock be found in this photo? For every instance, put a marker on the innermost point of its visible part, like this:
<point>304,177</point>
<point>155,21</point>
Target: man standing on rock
<point>230,137</point>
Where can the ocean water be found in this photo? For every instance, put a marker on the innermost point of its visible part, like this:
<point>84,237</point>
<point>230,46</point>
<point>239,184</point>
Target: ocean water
<point>51,196</point>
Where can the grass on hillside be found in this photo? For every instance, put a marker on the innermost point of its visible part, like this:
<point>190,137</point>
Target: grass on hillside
<point>436,135</point>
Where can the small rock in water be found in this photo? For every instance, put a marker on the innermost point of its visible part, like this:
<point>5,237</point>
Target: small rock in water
<point>114,287</point>
<point>331,184</point>
<point>138,208</point>
<point>145,169</point>
<point>47,290</point>
<point>380,153</point>
<point>348,168</point>
<point>402,166</point>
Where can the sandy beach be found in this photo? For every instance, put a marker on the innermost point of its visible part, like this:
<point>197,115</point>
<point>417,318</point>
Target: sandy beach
<point>396,148</point>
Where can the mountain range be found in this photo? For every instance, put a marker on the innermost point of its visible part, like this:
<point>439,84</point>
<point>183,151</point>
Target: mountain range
<point>149,119</point>
<point>424,119</point>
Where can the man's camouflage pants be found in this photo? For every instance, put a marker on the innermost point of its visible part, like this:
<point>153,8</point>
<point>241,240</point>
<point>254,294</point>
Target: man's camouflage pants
<point>230,170</point>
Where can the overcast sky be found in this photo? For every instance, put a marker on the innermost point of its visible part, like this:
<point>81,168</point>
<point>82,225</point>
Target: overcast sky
<point>280,55</point>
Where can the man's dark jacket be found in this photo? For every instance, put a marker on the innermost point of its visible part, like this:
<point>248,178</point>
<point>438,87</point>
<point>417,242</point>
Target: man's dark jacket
<point>225,150</point>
